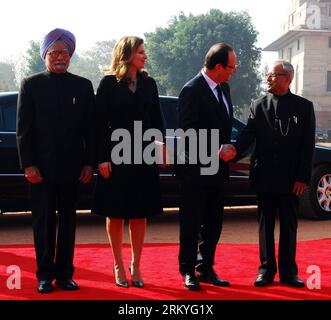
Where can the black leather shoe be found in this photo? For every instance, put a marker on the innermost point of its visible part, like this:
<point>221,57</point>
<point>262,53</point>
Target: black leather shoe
<point>122,284</point>
<point>191,282</point>
<point>44,286</point>
<point>136,283</point>
<point>293,282</point>
<point>263,280</point>
<point>67,284</point>
<point>211,277</point>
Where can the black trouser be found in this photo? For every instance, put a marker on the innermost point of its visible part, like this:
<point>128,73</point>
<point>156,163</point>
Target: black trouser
<point>46,199</point>
<point>201,216</point>
<point>286,205</point>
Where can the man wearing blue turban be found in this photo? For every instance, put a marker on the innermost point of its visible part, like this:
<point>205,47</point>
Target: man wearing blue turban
<point>55,35</point>
<point>56,150</point>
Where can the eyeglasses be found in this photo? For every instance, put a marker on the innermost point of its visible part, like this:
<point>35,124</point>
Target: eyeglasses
<point>233,67</point>
<point>56,53</point>
<point>275,75</point>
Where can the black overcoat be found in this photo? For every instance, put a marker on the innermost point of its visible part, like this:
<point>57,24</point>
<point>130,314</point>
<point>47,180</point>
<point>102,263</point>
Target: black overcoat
<point>55,127</point>
<point>284,132</point>
<point>133,189</point>
<point>199,109</point>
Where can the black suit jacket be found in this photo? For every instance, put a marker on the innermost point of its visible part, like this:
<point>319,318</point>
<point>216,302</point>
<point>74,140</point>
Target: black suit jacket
<point>284,148</point>
<point>55,125</point>
<point>199,109</point>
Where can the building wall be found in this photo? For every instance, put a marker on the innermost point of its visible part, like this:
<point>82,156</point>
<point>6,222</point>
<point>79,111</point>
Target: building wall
<point>317,62</point>
<point>325,14</point>
<point>311,61</point>
<point>311,21</point>
<point>323,119</point>
<point>301,15</point>
<point>296,17</point>
<point>294,52</point>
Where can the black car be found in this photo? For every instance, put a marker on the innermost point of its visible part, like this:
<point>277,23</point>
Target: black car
<point>315,203</point>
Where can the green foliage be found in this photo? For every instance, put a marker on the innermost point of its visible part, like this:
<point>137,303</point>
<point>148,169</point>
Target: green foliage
<point>34,63</point>
<point>176,53</point>
<point>7,77</point>
<point>92,62</point>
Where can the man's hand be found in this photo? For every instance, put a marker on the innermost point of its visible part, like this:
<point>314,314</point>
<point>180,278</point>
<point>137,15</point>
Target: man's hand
<point>86,174</point>
<point>105,169</point>
<point>299,188</point>
<point>227,152</point>
<point>33,175</point>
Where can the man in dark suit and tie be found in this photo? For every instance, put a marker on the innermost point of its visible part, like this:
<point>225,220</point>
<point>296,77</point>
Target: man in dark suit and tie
<point>55,145</point>
<point>282,125</point>
<point>204,104</point>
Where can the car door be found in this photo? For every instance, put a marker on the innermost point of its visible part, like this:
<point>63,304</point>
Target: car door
<point>13,188</point>
<point>9,158</point>
<point>169,184</point>
<point>238,191</point>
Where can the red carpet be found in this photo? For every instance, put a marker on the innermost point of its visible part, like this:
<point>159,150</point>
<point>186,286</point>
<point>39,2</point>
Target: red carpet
<point>235,262</point>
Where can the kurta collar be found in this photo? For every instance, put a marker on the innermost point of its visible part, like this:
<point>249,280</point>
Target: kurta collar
<point>285,96</point>
<point>57,75</point>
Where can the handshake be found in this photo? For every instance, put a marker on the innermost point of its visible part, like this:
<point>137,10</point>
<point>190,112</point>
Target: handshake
<point>227,152</point>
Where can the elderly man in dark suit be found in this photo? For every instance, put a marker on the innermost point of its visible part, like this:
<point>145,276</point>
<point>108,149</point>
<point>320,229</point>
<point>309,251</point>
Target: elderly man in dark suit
<point>282,125</point>
<point>55,145</point>
<point>204,103</point>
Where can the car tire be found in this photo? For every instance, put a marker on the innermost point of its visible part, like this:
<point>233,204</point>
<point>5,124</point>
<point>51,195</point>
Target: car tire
<point>315,203</point>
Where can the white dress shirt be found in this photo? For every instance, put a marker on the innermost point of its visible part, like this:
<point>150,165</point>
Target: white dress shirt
<point>212,84</point>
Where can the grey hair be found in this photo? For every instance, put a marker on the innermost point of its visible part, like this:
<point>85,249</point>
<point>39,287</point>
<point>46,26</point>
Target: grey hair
<point>287,67</point>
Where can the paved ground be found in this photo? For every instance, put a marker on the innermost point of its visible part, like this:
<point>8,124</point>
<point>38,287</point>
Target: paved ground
<point>239,226</point>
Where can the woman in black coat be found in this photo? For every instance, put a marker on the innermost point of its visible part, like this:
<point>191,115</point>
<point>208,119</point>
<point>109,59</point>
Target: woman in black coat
<point>127,98</point>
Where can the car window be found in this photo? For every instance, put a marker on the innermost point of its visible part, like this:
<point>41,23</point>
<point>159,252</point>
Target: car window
<point>236,128</point>
<point>8,117</point>
<point>170,112</point>
<point>234,133</point>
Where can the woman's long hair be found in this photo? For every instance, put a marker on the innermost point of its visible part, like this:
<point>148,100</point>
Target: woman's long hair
<point>122,55</point>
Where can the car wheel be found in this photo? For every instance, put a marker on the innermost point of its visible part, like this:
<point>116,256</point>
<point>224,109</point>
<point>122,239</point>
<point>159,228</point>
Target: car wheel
<point>315,203</point>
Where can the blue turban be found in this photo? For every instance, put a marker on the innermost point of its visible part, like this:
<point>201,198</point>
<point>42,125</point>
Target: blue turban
<point>57,34</point>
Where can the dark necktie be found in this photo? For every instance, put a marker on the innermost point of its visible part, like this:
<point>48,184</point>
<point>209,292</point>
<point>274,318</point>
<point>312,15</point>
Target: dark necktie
<point>220,99</point>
